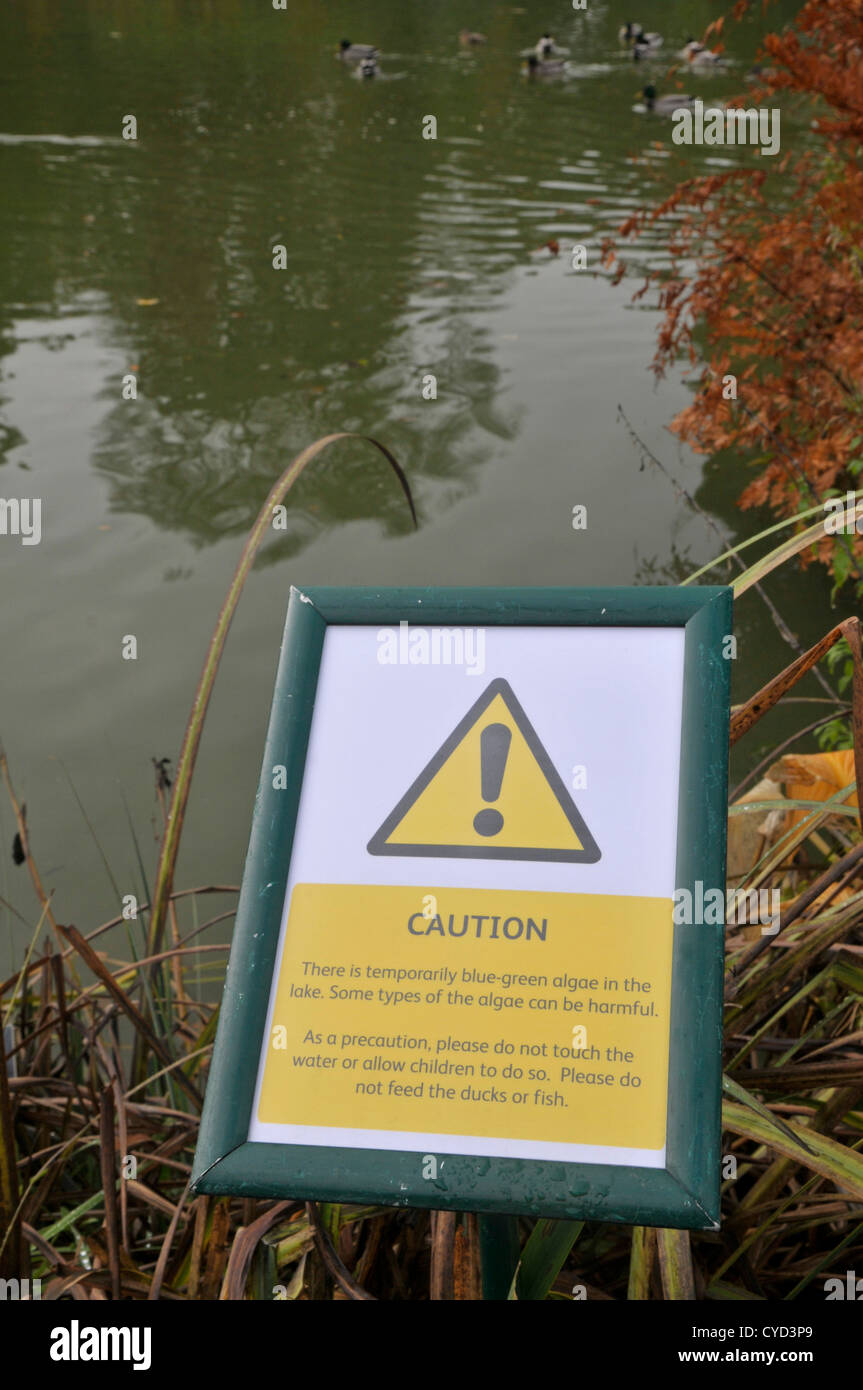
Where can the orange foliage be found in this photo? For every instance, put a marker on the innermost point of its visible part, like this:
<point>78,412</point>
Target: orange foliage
<point>816,777</point>
<point>767,283</point>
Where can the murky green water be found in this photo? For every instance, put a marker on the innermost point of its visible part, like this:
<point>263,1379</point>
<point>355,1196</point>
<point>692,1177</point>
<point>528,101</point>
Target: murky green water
<point>404,257</point>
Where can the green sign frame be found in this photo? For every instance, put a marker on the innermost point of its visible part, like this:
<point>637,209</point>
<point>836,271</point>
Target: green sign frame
<point>685,1193</point>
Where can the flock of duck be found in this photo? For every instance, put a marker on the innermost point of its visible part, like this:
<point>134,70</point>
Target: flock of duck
<point>545,60</point>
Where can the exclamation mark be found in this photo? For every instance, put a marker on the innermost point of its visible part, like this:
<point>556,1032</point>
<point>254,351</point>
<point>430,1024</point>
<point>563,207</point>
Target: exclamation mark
<point>493,750</point>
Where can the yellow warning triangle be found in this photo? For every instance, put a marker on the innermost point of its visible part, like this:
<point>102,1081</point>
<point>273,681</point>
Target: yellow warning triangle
<point>490,792</point>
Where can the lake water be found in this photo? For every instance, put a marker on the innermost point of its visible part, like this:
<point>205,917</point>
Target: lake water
<point>404,257</point>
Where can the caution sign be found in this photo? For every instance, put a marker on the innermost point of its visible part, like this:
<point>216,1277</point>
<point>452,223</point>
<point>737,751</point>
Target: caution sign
<point>459,975</point>
<point>477,931</point>
<point>490,792</point>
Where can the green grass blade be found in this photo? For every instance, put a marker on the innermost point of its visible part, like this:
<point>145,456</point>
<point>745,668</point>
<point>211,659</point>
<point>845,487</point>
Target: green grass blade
<point>753,540</point>
<point>544,1256</point>
<point>675,1264</point>
<point>834,1161</point>
<point>739,1093</point>
<point>641,1263</point>
<point>774,558</point>
<point>58,1227</point>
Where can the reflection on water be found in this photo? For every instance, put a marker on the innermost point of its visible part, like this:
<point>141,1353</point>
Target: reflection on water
<point>250,137</point>
<point>405,259</point>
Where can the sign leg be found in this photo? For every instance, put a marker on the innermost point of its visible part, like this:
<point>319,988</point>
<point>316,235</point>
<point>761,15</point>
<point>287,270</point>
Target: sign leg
<point>499,1254</point>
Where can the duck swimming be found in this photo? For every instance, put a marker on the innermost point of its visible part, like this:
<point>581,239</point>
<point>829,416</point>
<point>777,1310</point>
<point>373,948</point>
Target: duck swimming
<point>665,106</point>
<point>634,34</point>
<point>536,67</point>
<point>355,52</point>
<point>698,54</point>
<point>545,46</point>
<point>643,48</point>
<point>368,67</point>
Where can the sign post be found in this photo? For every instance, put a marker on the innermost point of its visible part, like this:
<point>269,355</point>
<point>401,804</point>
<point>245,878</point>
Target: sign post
<point>460,975</point>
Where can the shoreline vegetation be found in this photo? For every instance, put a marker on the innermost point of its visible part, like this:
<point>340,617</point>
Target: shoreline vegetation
<point>107,1047</point>
<point>106,1041</point>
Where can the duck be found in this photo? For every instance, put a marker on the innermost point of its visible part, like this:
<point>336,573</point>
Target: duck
<point>643,48</point>
<point>634,34</point>
<point>368,67</point>
<point>537,67</point>
<point>355,52</point>
<point>665,106</point>
<point>544,46</point>
<point>468,39</point>
<point>698,54</point>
